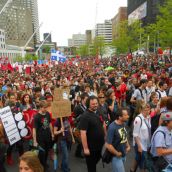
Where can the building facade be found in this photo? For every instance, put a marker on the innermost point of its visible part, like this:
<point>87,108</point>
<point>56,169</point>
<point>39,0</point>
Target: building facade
<point>145,10</point>
<point>19,20</point>
<point>104,30</point>
<point>9,51</point>
<point>77,40</point>
<point>88,34</point>
<point>49,37</point>
<point>120,16</point>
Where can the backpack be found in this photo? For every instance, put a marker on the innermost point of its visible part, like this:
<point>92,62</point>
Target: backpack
<point>153,164</point>
<point>159,94</point>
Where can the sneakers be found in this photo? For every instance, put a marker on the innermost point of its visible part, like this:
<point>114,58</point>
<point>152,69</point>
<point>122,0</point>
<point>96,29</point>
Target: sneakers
<point>10,160</point>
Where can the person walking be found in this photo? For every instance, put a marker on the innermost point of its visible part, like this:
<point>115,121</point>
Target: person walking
<point>161,143</point>
<point>43,132</point>
<point>92,134</point>
<point>117,142</point>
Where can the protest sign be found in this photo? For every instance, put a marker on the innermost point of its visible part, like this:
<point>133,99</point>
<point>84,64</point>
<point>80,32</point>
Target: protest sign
<point>61,94</point>
<point>61,108</point>
<point>9,124</point>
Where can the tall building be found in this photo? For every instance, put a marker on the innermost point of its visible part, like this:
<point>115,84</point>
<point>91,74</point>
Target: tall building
<point>77,40</point>
<point>88,34</point>
<point>104,30</point>
<point>49,37</point>
<point>145,10</point>
<point>120,16</point>
<point>19,20</point>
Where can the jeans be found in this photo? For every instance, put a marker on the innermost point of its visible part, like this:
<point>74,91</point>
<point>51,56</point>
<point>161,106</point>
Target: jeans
<point>118,164</point>
<point>65,156</point>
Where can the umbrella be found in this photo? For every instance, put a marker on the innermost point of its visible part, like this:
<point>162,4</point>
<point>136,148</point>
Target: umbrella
<point>109,68</point>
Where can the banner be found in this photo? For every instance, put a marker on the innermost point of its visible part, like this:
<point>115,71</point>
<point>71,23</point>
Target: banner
<point>29,117</point>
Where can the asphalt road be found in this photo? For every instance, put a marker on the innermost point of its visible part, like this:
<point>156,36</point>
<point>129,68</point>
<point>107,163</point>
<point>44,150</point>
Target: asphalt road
<point>76,165</point>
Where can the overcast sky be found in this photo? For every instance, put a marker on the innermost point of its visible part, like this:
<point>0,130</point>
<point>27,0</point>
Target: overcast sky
<point>67,17</point>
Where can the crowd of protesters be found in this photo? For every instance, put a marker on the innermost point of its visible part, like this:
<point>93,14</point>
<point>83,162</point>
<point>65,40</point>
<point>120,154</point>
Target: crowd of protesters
<point>132,99</point>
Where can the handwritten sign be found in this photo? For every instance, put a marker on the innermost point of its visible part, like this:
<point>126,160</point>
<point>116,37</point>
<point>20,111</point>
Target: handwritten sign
<point>9,124</point>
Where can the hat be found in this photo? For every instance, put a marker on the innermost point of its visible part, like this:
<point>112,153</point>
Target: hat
<point>109,92</point>
<point>166,116</point>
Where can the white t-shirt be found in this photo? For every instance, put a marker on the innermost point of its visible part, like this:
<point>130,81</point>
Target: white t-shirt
<point>142,131</point>
<point>162,93</point>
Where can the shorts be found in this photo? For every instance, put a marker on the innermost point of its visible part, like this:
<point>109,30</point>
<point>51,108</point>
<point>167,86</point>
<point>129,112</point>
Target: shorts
<point>140,157</point>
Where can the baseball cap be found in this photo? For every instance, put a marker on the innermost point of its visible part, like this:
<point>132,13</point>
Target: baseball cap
<point>166,116</point>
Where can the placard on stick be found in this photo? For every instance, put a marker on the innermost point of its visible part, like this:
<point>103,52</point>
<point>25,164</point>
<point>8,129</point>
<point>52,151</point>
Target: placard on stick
<point>61,108</point>
<point>61,94</point>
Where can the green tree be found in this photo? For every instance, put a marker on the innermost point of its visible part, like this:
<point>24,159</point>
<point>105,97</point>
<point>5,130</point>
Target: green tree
<point>164,24</point>
<point>18,59</point>
<point>129,37</point>
<point>83,50</point>
<point>98,46</point>
<point>35,57</point>
<point>28,57</point>
<point>46,49</point>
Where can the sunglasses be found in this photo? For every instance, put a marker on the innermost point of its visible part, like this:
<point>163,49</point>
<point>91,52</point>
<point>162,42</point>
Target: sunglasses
<point>101,97</point>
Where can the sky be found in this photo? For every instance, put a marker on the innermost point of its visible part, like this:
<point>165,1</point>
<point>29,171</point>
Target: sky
<point>66,17</point>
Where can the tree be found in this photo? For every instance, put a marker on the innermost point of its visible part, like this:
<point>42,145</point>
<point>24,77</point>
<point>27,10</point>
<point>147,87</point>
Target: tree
<point>46,49</point>
<point>164,24</point>
<point>35,57</point>
<point>28,57</point>
<point>98,46</point>
<point>83,50</point>
<point>129,37</point>
<point>18,59</point>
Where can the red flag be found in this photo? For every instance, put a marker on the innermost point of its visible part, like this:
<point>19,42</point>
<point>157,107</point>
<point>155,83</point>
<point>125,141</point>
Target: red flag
<point>28,117</point>
<point>10,67</point>
<point>28,70</point>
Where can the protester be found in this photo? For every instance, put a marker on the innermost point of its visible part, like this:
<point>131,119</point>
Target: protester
<point>161,145</point>
<point>117,143</point>
<point>78,112</point>
<point>141,137</point>
<point>92,134</point>
<point>29,162</point>
<point>64,139</point>
<point>43,132</point>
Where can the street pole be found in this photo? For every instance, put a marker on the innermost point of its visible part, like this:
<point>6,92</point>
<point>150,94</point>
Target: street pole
<point>42,44</point>
<point>9,1</point>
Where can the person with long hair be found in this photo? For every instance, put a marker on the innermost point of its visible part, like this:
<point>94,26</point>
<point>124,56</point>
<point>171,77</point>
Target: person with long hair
<point>29,162</point>
<point>27,103</point>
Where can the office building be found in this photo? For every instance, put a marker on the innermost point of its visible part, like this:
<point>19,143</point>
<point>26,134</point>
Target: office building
<point>119,17</point>
<point>104,30</point>
<point>20,20</point>
<point>49,37</point>
<point>77,40</point>
<point>88,34</point>
<point>145,10</point>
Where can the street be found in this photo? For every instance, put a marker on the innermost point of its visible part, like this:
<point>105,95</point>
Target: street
<point>77,165</point>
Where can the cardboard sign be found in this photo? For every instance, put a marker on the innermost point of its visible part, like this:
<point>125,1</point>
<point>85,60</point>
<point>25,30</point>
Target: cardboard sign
<point>9,124</point>
<point>90,64</point>
<point>61,108</point>
<point>61,94</point>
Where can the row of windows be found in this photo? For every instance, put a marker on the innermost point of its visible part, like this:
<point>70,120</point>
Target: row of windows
<point>2,46</point>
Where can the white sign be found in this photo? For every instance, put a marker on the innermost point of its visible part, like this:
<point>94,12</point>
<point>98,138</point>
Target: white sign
<point>9,125</point>
<point>138,14</point>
